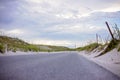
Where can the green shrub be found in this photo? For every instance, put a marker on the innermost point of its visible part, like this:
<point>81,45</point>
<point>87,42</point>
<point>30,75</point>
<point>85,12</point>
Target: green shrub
<point>118,49</point>
<point>89,47</point>
<point>2,48</point>
<point>113,44</point>
<point>14,44</point>
<point>14,50</point>
<point>33,48</point>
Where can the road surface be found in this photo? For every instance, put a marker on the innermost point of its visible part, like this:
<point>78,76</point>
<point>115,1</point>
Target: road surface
<point>59,66</point>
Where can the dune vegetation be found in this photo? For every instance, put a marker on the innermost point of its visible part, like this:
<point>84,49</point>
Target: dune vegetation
<point>16,44</point>
<point>111,44</point>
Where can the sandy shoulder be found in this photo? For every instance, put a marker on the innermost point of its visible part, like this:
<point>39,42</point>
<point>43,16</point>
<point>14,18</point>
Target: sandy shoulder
<point>110,61</point>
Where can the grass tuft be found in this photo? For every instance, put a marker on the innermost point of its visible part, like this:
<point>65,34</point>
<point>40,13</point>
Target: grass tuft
<point>15,44</point>
<point>89,47</point>
<point>113,44</point>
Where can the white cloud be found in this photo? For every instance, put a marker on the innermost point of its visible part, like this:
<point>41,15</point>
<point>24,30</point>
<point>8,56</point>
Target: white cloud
<point>72,16</point>
<point>15,31</point>
<point>67,43</point>
<point>39,17</point>
<point>74,29</point>
<point>69,9</point>
<point>111,9</point>
<point>51,42</point>
<point>65,9</point>
<point>35,1</point>
<point>66,16</point>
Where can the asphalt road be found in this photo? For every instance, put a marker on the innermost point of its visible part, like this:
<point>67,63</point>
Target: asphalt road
<point>61,66</point>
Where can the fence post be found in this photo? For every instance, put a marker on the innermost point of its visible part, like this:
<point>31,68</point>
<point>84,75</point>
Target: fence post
<point>110,30</point>
<point>97,38</point>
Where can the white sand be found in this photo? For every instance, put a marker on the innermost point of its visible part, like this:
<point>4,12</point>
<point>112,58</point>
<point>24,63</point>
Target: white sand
<point>110,61</point>
<point>10,53</point>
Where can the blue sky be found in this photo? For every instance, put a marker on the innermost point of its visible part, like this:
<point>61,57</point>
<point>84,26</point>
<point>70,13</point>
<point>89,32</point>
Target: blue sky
<point>58,22</point>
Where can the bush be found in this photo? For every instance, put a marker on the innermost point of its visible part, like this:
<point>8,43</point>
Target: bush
<point>33,48</point>
<point>113,44</point>
<point>2,48</point>
<point>14,50</point>
<point>89,47</point>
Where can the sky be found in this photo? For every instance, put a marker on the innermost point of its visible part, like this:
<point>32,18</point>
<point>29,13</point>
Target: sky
<point>59,22</point>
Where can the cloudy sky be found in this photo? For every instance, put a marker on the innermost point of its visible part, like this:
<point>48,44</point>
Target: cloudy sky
<point>58,22</point>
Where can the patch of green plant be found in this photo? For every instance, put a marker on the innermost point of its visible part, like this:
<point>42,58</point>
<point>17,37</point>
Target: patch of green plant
<point>14,50</point>
<point>119,49</point>
<point>33,48</point>
<point>2,48</point>
<point>58,48</point>
<point>89,47</point>
<point>113,44</point>
<point>15,44</point>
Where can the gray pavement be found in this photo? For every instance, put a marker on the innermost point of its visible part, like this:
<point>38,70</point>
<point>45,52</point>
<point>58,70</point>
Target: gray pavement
<point>59,66</point>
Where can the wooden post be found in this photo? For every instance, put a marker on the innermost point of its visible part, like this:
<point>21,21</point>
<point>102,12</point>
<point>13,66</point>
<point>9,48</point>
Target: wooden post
<point>118,31</point>
<point>97,38</point>
<point>6,46</point>
<point>110,30</point>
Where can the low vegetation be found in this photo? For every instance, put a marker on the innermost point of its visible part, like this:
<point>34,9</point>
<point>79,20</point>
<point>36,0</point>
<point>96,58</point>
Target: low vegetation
<point>114,42</point>
<point>89,47</point>
<point>108,46</point>
<point>2,49</point>
<point>111,45</point>
<point>58,48</point>
<point>15,44</point>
